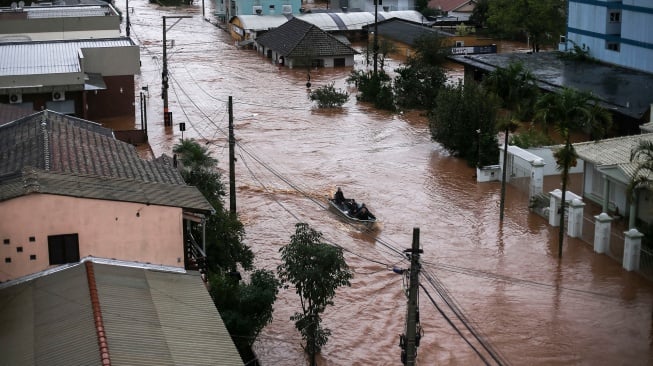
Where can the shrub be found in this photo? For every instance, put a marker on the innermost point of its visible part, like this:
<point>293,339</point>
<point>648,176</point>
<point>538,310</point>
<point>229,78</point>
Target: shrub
<point>328,96</point>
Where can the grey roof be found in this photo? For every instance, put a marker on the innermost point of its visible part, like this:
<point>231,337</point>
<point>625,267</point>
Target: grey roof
<point>297,38</point>
<point>622,90</point>
<point>28,58</point>
<point>150,317</point>
<point>68,11</point>
<point>612,154</point>
<point>329,21</point>
<point>403,31</point>
<point>48,152</point>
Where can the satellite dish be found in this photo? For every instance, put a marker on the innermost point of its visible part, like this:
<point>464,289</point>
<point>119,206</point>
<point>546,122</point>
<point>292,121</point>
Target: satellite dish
<point>21,4</point>
<point>14,5</point>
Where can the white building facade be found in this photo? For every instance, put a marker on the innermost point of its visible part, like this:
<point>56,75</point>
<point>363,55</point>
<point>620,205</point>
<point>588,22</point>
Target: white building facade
<point>619,32</point>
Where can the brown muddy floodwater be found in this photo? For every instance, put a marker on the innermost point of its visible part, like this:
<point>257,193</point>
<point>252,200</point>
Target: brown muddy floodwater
<point>504,280</point>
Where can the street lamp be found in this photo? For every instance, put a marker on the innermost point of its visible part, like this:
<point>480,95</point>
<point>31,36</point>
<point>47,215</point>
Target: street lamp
<point>167,116</point>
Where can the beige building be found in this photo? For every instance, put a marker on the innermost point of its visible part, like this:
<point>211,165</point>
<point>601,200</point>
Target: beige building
<point>70,190</point>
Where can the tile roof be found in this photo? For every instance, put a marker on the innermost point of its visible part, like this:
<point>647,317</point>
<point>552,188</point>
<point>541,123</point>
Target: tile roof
<point>613,152</point>
<point>149,317</point>
<point>49,152</point>
<point>448,5</point>
<point>297,38</point>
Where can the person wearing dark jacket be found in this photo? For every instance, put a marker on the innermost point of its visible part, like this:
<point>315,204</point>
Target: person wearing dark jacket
<point>339,197</point>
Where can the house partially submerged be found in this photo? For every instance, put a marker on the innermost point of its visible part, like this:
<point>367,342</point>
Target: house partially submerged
<point>69,190</point>
<point>297,43</point>
<point>404,33</point>
<point>103,312</point>
<point>457,11</point>
<point>607,173</point>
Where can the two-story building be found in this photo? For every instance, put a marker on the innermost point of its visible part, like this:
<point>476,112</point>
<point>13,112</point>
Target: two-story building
<point>70,190</point>
<point>69,59</point>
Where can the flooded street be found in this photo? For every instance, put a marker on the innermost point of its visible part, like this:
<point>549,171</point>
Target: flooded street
<point>504,280</point>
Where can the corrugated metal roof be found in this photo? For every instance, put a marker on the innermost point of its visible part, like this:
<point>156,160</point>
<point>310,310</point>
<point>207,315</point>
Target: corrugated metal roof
<point>68,11</point>
<point>49,321</point>
<point>150,318</point>
<point>325,20</point>
<point>158,318</point>
<point>49,57</point>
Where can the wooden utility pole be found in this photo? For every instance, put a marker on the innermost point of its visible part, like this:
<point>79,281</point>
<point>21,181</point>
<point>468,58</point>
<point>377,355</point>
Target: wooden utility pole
<point>412,318</point>
<point>232,161</point>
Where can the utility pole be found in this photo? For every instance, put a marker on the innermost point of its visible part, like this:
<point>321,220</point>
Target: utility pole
<point>127,20</point>
<point>410,341</point>
<point>232,161</point>
<point>376,31</point>
<point>167,117</point>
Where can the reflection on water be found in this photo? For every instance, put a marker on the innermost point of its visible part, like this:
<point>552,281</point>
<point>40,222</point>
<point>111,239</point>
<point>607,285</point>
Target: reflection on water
<point>505,278</point>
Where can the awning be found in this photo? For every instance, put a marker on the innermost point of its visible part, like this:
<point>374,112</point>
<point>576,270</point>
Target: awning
<point>94,82</point>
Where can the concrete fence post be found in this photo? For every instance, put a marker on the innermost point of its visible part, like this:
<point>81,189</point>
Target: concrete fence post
<point>632,249</point>
<point>602,232</point>
<point>575,224</point>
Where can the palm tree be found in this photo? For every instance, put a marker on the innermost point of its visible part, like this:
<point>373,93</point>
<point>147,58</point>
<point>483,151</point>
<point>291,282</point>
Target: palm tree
<point>516,88</point>
<point>194,156</point>
<point>568,111</point>
<point>642,178</point>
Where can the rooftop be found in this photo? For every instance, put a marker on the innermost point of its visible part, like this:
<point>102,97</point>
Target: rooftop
<point>53,153</point>
<point>143,316</point>
<point>625,91</point>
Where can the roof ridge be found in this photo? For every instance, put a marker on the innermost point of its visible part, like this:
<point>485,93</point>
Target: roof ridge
<point>97,315</point>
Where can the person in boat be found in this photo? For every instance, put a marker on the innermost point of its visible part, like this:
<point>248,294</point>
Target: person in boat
<point>363,213</point>
<point>352,206</point>
<point>339,197</point>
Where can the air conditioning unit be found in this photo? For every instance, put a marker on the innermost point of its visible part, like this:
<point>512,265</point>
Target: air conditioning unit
<point>286,9</point>
<point>58,95</point>
<point>15,98</point>
<point>257,9</point>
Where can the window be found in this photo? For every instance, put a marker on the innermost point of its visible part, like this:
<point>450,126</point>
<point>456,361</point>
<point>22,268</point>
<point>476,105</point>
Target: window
<point>31,238</point>
<point>6,241</point>
<point>19,249</point>
<point>615,17</point>
<point>63,248</point>
<point>338,62</point>
<point>32,257</point>
<point>613,46</point>
<point>460,43</point>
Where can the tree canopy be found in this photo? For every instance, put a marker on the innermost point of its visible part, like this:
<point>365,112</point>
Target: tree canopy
<point>316,270</point>
<point>541,20</point>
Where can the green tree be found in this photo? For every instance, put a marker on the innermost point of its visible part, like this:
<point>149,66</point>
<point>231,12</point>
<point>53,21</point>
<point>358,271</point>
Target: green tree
<point>570,110</point>
<point>515,86</point>
<point>464,123</point>
<point>245,308</point>
<point>316,269</point>
<point>642,178</point>
<point>537,19</point>
<point>422,77</point>
<point>328,96</point>
<point>225,248</point>
<point>374,88</point>
<point>480,13</point>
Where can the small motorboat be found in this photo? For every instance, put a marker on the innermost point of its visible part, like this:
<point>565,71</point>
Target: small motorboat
<point>354,212</point>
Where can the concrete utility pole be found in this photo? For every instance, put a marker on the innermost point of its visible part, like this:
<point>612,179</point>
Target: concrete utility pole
<point>375,47</point>
<point>167,117</point>
<point>411,341</point>
<point>127,20</point>
<point>232,161</point>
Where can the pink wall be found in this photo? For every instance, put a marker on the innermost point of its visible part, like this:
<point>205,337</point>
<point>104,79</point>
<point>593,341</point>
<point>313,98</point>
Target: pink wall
<point>108,229</point>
